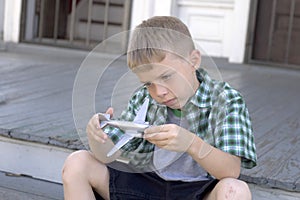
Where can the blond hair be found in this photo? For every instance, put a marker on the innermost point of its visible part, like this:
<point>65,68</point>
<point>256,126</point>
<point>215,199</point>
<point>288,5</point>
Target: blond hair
<point>153,38</point>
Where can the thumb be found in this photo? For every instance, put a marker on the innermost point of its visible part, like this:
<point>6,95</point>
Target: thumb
<point>110,111</point>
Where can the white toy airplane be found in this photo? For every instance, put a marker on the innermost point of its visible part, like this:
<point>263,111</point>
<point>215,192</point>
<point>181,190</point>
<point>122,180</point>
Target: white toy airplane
<point>132,129</point>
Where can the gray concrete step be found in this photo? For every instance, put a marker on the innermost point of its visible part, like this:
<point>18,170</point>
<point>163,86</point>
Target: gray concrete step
<point>27,188</point>
<point>15,187</point>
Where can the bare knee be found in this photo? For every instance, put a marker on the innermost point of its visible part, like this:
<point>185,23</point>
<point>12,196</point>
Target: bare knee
<point>75,164</point>
<point>230,188</point>
<point>82,172</point>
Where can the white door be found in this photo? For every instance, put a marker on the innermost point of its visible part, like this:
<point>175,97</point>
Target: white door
<point>210,23</point>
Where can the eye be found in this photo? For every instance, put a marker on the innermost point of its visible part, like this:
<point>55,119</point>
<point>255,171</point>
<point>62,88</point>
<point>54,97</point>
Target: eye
<point>166,77</point>
<point>148,84</point>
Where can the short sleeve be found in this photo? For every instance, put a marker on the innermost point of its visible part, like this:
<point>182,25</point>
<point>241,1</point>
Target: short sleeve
<point>233,131</point>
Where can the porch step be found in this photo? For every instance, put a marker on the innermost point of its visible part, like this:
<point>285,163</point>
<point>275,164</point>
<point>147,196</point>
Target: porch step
<point>115,14</point>
<point>33,171</point>
<point>14,187</point>
<point>24,158</point>
<point>97,28</point>
<point>102,22</point>
<point>96,31</point>
<point>114,4</point>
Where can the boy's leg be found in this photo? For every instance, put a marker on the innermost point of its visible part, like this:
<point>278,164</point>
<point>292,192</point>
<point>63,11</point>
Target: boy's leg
<point>81,174</point>
<point>230,188</point>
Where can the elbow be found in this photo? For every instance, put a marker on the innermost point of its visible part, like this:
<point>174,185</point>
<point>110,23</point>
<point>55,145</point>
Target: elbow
<point>230,173</point>
<point>234,170</point>
<point>235,173</point>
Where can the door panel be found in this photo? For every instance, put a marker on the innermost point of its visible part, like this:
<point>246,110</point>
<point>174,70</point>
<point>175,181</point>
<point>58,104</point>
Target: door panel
<point>277,32</point>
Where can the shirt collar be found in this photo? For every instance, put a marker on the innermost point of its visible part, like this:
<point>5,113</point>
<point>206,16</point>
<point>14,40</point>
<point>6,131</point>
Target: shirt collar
<point>202,97</point>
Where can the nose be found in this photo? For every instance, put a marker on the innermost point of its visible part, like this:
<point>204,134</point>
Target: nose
<point>159,90</point>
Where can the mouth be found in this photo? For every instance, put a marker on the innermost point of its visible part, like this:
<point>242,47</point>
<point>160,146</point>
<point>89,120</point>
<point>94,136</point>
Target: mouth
<point>170,102</point>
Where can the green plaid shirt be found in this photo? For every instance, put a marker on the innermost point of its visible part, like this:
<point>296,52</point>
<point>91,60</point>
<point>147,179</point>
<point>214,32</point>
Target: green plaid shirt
<point>216,113</point>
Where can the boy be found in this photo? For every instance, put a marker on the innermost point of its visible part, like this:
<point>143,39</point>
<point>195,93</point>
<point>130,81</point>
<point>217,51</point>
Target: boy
<point>200,133</point>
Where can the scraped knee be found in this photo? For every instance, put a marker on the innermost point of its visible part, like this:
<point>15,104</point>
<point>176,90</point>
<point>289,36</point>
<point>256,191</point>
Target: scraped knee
<point>230,188</point>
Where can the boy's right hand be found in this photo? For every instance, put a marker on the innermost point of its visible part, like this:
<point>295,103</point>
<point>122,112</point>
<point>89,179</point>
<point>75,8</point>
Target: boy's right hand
<point>93,128</point>
<point>96,135</point>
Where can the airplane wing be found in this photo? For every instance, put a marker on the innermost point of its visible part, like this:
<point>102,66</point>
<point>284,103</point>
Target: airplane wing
<point>125,138</point>
<point>139,118</point>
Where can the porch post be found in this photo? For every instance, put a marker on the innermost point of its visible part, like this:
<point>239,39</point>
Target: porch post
<point>12,20</point>
<point>1,19</point>
<point>239,31</point>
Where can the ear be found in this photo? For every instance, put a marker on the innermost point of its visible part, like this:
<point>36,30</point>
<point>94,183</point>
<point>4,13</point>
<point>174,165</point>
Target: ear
<point>195,58</point>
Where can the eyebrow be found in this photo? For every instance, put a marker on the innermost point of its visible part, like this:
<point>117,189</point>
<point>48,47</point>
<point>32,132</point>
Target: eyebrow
<point>168,71</point>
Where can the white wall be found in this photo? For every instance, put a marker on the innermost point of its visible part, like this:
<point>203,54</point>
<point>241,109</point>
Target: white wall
<point>1,18</point>
<point>144,9</point>
<point>12,19</point>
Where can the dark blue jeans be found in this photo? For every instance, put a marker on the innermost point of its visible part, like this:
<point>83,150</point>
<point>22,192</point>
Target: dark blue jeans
<point>149,186</point>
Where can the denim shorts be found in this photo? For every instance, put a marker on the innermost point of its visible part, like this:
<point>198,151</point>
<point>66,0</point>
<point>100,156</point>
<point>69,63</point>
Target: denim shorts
<point>149,186</point>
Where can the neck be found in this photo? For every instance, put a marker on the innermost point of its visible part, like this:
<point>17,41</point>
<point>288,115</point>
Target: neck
<point>196,83</point>
<point>177,112</point>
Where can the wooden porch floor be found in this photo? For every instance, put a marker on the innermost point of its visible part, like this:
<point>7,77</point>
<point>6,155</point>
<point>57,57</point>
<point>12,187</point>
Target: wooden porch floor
<point>36,105</point>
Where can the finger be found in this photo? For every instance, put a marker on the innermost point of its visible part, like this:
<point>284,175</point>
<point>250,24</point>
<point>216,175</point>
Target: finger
<point>99,130</point>
<point>98,135</point>
<point>94,128</point>
<point>163,144</point>
<point>156,129</point>
<point>98,138</point>
<point>154,137</point>
<point>160,143</point>
<point>110,111</point>
<point>149,136</point>
<point>95,122</point>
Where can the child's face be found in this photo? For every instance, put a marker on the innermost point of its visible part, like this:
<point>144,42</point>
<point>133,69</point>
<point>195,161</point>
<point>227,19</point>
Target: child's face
<point>172,81</point>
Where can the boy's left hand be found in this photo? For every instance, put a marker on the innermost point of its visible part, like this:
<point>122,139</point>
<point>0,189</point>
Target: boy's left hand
<point>170,137</point>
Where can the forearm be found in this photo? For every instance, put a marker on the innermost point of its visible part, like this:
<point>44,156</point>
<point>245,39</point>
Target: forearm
<point>216,162</point>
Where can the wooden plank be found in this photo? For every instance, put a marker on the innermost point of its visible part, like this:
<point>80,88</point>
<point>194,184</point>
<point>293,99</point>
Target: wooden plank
<point>44,99</point>
<point>278,153</point>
